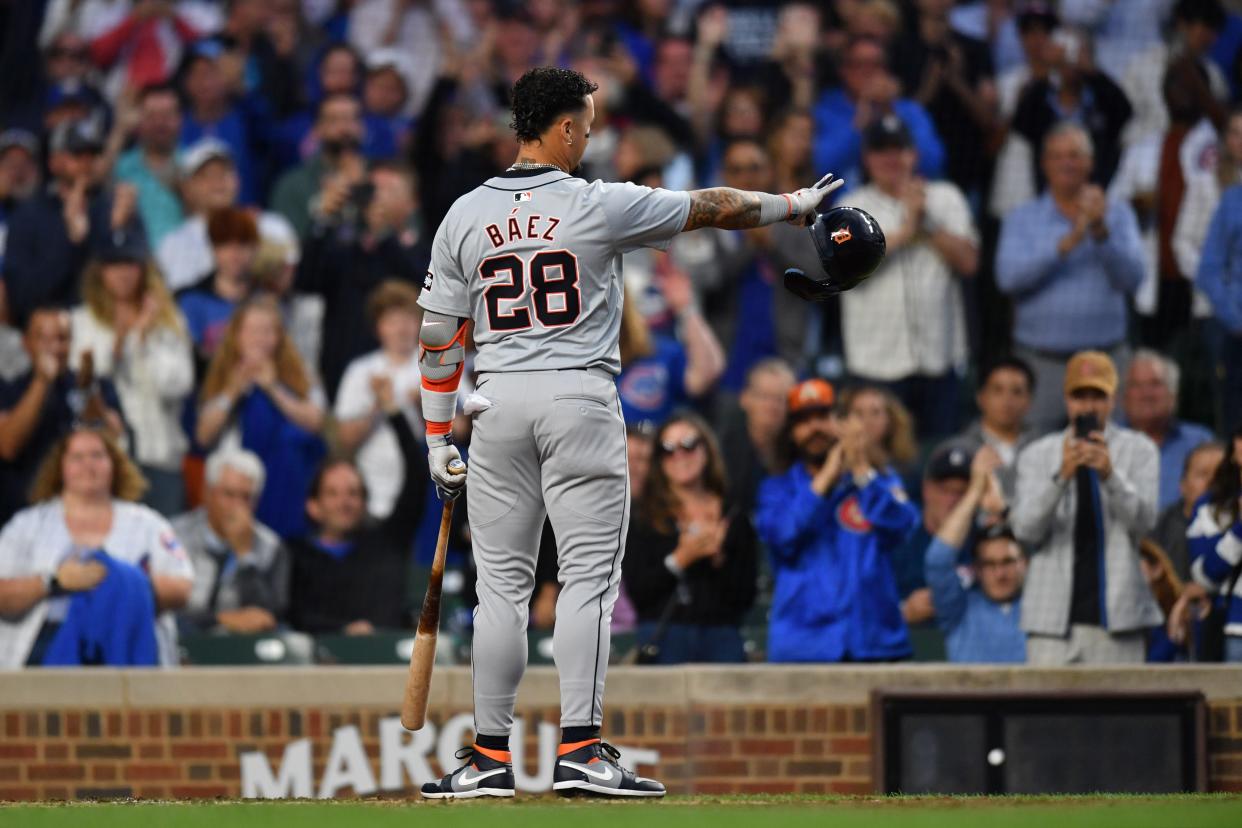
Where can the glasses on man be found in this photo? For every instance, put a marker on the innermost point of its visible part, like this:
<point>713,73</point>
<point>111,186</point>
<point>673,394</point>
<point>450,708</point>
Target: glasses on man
<point>686,444</point>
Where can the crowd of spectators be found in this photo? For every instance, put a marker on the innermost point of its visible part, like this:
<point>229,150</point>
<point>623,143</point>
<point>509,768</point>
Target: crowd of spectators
<point>215,221</point>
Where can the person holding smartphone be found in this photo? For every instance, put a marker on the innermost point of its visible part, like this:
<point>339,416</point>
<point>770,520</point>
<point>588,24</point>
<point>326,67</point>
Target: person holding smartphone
<point>1085,496</point>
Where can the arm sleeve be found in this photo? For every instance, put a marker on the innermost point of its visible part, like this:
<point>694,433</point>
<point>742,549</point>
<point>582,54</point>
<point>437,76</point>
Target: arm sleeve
<point>106,48</point>
<point>1214,266</point>
<point>948,595</point>
<point>1221,553</point>
<point>838,146</point>
<point>166,360</point>
<point>643,217</point>
<point>354,397</point>
<point>1026,257</point>
<point>1036,499</point>
<point>953,214</point>
<point>278,580</point>
<point>167,555</point>
<point>445,288</point>
<point>648,582</point>
<point>407,510</point>
<point>1122,252</point>
<point>741,568</point>
<point>17,548</point>
<point>786,514</point>
<point>1193,219</point>
<point>926,140</point>
<point>885,505</point>
<point>1132,490</point>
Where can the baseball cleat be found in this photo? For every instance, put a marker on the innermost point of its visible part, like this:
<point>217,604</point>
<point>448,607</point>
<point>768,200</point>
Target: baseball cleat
<point>591,767</point>
<point>486,773</point>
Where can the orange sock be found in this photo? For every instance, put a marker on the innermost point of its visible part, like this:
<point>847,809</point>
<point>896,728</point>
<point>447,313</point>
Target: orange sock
<point>495,755</point>
<point>572,746</point>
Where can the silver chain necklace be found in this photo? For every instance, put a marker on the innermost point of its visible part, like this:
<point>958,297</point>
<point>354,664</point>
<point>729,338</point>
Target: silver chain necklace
<point>530,165</point>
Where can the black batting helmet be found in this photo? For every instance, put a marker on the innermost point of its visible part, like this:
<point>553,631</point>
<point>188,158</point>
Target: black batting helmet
<point>851,246</point>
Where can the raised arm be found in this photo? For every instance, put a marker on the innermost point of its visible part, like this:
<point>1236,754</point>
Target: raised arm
<point>730,209</point>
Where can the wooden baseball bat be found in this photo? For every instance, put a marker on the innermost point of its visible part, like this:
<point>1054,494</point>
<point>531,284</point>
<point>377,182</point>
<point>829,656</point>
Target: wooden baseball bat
<point>423,657</point>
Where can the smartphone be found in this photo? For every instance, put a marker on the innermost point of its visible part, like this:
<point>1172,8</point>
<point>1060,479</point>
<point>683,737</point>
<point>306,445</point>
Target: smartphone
<point>1084,424</point>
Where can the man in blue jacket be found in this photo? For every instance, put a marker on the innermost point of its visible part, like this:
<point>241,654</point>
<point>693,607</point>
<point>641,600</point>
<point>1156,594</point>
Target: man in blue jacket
<point>831,523</point>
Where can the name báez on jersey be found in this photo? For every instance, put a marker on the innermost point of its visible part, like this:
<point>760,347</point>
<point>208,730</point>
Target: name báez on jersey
<point>534,227</point>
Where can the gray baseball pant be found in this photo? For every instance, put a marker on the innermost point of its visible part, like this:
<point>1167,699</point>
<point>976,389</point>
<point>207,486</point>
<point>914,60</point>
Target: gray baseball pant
<point>551,443</point>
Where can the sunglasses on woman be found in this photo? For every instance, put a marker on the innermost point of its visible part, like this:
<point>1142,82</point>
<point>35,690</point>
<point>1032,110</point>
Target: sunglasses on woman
<point>686,444</point>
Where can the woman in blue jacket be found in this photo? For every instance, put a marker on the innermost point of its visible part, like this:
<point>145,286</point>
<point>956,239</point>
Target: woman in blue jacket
<point>831,523</point>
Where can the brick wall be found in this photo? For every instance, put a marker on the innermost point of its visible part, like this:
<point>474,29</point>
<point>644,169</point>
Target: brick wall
<point>1225,746</point>
<point>704,748</point>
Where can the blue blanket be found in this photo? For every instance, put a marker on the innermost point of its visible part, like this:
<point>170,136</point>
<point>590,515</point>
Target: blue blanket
<point>112,624</point>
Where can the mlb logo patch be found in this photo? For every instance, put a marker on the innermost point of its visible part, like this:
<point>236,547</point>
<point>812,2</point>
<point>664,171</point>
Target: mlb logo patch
<point>518,197</point>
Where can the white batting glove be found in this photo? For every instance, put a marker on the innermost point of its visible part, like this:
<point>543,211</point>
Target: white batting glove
<point>441,453</point>
<point>802,203</point>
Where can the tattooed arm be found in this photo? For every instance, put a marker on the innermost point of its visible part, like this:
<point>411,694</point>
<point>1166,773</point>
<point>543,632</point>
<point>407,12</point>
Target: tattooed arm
<point>727,208</point>
<point>730,209</point>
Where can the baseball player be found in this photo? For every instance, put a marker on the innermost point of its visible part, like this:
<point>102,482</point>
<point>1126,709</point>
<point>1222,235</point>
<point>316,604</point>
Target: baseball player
<point>533,258</point>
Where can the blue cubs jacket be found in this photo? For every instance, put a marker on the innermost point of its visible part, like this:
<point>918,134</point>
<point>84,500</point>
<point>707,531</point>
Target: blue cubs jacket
<point>1215,545</point>
<point>835,596</point>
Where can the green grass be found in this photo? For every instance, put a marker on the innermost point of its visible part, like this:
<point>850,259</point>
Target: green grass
<point>1205,811</point>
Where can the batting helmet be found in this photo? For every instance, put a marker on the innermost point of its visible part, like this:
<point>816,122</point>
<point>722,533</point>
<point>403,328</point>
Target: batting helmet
<point>850,245</point>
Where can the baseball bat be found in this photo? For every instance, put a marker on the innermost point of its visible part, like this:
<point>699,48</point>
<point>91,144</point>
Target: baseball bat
<point>423,657</point>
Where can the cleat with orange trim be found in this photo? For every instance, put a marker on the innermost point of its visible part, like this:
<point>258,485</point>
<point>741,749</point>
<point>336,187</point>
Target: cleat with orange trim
<point>486,773</point>
<point>591,768</point>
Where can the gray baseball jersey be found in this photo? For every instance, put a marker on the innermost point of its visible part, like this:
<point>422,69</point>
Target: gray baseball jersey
<point>535,261</point>
<point>534,258</point>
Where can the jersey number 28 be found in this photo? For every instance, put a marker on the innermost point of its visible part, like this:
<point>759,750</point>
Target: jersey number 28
<point>554,288</point>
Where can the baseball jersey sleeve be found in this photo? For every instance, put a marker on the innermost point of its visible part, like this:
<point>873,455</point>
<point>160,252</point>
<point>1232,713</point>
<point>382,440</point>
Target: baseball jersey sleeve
<point>445,288</point>
<point>354,397</point>
<point>166,554</point>
<point>643,217</point>
<point>952,213</point>
<point>17,546</point>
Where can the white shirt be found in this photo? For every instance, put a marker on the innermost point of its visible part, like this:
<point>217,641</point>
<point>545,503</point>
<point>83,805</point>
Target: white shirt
<point>1144,86</point>
<point>153,377</point>
<point>417,36</point>
<point>379,456</point>
<point>36,541</point>
<point>908,318</point>
<point>184,254</point>
<point>1137,174</point>
<point>1013,182</point>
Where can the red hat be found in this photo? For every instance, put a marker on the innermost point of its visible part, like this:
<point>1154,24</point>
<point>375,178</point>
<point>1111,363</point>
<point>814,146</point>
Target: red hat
<point>811,395</point>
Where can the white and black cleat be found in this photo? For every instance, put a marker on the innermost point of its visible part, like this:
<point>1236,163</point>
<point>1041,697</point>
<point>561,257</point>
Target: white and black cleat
<point>591,768</point>
<point>486,773</point>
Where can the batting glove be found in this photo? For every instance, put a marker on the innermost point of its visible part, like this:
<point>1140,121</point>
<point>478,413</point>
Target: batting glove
<point>440,453</point>
<point>802,203</point>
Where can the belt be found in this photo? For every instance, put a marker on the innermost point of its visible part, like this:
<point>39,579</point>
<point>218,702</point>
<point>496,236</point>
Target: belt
<point>594,371</point>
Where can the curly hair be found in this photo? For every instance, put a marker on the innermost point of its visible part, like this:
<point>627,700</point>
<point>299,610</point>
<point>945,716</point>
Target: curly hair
<point>49,481</point>
<point>543,94</point>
